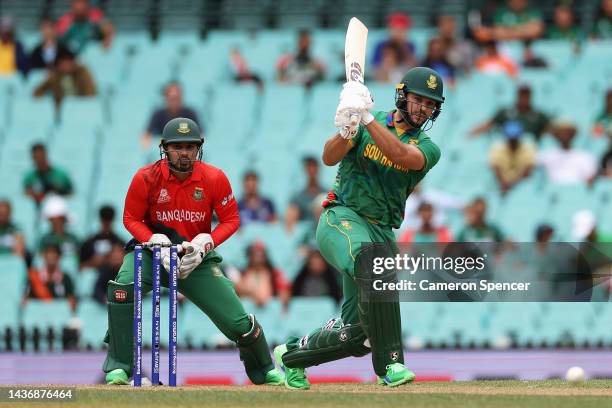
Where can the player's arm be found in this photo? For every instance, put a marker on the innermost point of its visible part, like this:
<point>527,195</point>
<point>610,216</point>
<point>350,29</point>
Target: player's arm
<point>405,155</point>
<point>226,208</point>
<point>135,209</point>
<point>335,149</point>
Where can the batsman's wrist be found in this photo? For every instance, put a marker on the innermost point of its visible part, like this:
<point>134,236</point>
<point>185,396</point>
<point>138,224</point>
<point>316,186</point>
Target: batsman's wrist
<point>366,118</point>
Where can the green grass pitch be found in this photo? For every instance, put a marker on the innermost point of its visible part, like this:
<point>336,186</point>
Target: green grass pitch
<point>463,394</point>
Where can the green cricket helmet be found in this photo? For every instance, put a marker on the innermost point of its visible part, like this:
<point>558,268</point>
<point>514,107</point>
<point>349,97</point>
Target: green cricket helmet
<point>180,130</point>
<point>424,82</point>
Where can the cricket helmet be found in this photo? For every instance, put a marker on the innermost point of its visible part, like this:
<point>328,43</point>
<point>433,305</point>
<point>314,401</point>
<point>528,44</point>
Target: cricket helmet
<point>424,82</point>
<point>181,130</point>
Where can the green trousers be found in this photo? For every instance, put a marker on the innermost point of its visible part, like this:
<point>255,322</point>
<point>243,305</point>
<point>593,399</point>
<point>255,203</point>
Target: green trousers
<point>364,326</point>
<point>340,235</point>
<point>206,287</point>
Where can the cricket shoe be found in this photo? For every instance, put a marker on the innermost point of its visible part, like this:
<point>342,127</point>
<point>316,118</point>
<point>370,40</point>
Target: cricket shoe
<point>396,375</point>
<point>274,377</point>
<point>295,378</point>
<point>117,377</point>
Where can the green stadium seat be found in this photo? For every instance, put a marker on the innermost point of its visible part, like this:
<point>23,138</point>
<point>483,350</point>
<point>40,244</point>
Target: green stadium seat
<point>54,314</point>
<point>94,323</point>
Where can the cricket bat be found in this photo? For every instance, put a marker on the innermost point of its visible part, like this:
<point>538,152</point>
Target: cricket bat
<point>354,55</point>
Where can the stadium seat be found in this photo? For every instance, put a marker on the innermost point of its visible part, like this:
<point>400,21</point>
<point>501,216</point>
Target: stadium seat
<point>46,315</point>
<point>94,322</point>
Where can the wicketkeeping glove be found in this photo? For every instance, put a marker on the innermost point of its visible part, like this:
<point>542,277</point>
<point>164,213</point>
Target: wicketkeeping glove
<point>165,251</point>
<point>195,252</point>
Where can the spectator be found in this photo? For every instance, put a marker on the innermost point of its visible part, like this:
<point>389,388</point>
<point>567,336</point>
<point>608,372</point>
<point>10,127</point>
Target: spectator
<point>584,228</point>
<point>436,60</point>
<point>494,62</point>
<point>530,59</point>
<point>398,25</point>
<point>301,67</point>
<point>459,52</point>
<point>516,21</point>
<point>603,21</point>
<point>45,53</point>
<point>45,178</point>
<point>11,239</point>
<point>83,24</point>
<point>606,160</point>
<point>12,55</point>
<point>241,71</point>
<point>50,282</point>
<point>564,164</point>
<point>253,207</point>
<point>303,199</point>
<point>443,204</point>
<point>513,160</point>
<point>390,68</point>
<point>427,232</point>
<point>533,121</point>
<point>173,95</point>
<point>477,228</point>
<point>317,279</point>
<point>104,252</point>
<point>544,233</point>
<point>564,27</point>
<point>67,78</point>
<point>260,280</point>
<point>604,119</point>
<point>55,210</point>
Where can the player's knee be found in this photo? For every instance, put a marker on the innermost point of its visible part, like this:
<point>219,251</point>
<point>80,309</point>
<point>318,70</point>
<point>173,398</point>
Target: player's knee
<point>120,292</point>
<point>355,340</point>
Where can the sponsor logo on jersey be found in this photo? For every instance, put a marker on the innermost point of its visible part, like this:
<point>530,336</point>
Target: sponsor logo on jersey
<point>184,127</point>
<point>180,216</point>
<point>198,193</point>
<point>120,295</point>
<point>413,141</point>
<point>372,152</point>
<point>346,225</point>
<point>227,199</point>
<point>164,197</point>
<point>432,82</point>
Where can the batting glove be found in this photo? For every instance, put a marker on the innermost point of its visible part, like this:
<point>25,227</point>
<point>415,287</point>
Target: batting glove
<point>195,252</point>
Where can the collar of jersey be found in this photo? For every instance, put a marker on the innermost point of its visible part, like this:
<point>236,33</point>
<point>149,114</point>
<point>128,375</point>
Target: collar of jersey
<point>400,132</point>
<point>196,174</point>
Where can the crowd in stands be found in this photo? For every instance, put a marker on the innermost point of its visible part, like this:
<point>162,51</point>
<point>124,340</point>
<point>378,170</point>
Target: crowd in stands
<point>512,159</point>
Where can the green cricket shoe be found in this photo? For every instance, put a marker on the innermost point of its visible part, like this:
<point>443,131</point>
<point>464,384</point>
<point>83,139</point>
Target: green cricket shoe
<point>274,377</point>
<point>295,378</point>
<point>117,377</point>
<point>396,375</point>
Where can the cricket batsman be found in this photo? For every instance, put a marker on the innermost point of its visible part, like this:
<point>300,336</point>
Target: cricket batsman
<point>382,158</point>
<point>172,201</point>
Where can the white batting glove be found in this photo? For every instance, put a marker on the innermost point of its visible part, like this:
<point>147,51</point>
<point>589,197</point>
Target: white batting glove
<point>195,252</point>
<point>162,239</point>
<point>353,88</point>
<point>348,115</point>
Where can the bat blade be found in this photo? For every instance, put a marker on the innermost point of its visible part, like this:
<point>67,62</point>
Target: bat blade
<point>355,50</point>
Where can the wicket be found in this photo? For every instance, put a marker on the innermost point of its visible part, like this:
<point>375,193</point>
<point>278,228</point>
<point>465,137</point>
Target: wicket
<point>156,312</point>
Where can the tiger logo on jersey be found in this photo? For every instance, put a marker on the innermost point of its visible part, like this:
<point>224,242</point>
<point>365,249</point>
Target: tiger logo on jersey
<point>198,193</point>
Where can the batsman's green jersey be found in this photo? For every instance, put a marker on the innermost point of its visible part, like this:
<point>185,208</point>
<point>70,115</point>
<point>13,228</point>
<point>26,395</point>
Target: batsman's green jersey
<point>374,187</point>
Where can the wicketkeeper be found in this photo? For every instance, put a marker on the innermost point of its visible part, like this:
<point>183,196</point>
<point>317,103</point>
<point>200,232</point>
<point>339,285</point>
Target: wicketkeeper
<point>172,201</point>
<point>381,161</point>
